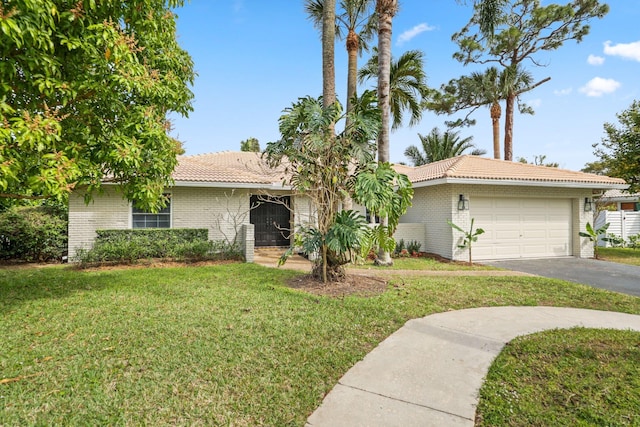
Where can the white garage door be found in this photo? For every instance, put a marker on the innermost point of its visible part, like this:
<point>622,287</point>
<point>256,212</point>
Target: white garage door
<point>521,227</point>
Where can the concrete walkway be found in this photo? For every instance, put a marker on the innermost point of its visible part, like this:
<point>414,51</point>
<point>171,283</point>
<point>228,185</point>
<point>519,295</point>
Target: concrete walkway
<point>429,372</point>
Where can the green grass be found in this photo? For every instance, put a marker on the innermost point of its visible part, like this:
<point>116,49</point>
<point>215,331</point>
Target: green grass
<point>425,263</point>
<point>620,255</point>
<point>581,377</point>
<point>219,345</point>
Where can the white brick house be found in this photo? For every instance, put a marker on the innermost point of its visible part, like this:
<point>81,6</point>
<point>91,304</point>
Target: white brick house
<point>526,210</point>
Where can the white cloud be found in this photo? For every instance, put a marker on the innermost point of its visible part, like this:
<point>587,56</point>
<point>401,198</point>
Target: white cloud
<point>595,60</point>
<point>625,50</point>
<point>563,92</point>
<point>599,86</point>
<point>409,34</point>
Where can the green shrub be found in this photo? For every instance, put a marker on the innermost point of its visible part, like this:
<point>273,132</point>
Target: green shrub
<point>634,241</point>
<point>32,234</point>
<point>400,246</point>
<point>128,246</point>
<point>414,246</point>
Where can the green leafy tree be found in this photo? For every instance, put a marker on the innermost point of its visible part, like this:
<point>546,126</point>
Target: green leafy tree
<point>619,151</point>
<point>407,85</point>
<point>355,24</point>
<point>85,90</point>
<point>521,29</point>
<point>438,146</point>
<point>250,144</point>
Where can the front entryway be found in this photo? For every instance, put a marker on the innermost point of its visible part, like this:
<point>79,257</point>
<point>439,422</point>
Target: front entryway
<point>271,217</point>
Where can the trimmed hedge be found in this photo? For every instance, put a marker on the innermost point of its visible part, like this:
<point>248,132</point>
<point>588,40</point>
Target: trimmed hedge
<point>128,246</point>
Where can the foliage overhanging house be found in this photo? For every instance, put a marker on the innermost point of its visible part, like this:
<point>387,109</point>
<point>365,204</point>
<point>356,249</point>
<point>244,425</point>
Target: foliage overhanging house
<point>526,211</point>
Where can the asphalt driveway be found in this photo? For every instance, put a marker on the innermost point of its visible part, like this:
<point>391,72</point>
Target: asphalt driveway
<point>600,274</point>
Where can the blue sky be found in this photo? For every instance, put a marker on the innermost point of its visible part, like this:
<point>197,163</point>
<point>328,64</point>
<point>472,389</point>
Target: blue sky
<point>255,57</point>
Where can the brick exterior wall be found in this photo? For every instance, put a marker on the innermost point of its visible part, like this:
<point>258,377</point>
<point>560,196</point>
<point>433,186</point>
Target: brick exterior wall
<point>224,212</point>
<point>107,210</point>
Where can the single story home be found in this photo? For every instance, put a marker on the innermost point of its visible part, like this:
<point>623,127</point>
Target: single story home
<point>527,211</point>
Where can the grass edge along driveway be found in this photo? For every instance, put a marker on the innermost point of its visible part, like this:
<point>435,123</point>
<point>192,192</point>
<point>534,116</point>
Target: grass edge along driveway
<point>219,345</point>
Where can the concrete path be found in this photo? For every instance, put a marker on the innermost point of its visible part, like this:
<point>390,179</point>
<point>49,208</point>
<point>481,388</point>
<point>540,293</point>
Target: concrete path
<point>429,372</point>
<point>600,274</point>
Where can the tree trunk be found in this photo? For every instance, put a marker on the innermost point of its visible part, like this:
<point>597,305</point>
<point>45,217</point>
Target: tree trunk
<point>352,73</point>
<point>386,9</point>
<point>328,49</point>
<point>508,127</point>
<point>496,112</point>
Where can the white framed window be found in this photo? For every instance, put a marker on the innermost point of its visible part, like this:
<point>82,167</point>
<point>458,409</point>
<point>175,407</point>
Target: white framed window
<point>144,219</point>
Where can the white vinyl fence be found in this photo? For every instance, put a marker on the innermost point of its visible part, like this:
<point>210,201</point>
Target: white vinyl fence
<point>621,223</point>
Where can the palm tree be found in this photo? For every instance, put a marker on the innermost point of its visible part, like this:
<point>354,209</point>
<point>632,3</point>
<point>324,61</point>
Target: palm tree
<point>385,9</point>
<point>356,26</point>
<point>439,146</point>
<point>407,85</point>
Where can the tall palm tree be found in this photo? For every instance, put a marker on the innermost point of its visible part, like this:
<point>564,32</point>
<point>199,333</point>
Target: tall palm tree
<point>355,24</point>
<point>386,10</point>
<point>407,85</point>
<point>439,146</point>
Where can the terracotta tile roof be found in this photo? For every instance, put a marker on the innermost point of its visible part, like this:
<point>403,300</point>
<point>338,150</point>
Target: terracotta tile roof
<point>226,167</point>
<point>235,167</point>
<point>485,169</point>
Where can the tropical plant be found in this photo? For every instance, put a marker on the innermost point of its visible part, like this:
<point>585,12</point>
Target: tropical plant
<point>520,29</point>
<point>619,151</point>
<point>407,85</point>
<point>468,238</point>
<point>321,165</point>
<point>438,146</point>
<point>85,91</point>
<point>595,235</point>
<point>355,24</point>
<point>387,194</point>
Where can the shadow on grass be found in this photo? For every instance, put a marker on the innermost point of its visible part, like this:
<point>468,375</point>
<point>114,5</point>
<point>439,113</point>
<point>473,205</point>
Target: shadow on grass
<point>19,285</point>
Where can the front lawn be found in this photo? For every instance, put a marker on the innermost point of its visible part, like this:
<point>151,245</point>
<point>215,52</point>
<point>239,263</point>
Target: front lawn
<point>620,255</point>
<point>218,345</point>
<point>564,377</point>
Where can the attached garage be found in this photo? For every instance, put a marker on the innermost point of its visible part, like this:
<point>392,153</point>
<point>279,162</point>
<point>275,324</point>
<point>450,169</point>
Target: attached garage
<point>522,227</point>
<point>527,211</point>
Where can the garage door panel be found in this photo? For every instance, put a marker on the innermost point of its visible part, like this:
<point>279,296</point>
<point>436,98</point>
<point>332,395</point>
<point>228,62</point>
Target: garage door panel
<point>534,234</point>
<point>522,227</point>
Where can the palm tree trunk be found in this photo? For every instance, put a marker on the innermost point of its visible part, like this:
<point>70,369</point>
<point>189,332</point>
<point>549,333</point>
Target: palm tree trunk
<point>386,9</point>
<point>508,127</point>
<point>328,50</point>
<point>352,72</point>
<point>496,112</point>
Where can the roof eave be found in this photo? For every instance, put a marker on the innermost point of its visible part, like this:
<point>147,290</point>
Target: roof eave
<point>247,185</point>
<point>521,183</point>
